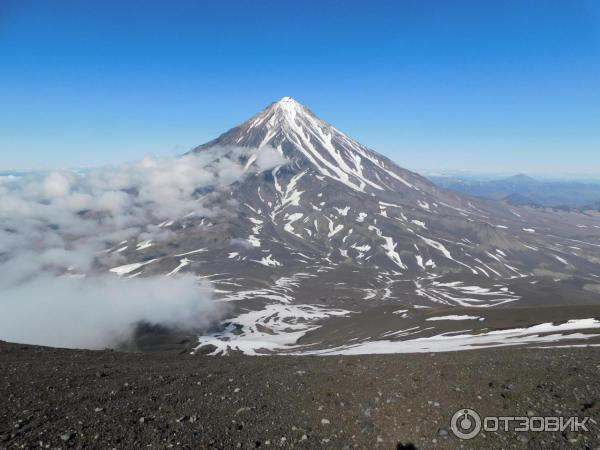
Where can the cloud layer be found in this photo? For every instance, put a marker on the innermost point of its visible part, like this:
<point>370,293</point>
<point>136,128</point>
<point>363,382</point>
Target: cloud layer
<point>55,227</point>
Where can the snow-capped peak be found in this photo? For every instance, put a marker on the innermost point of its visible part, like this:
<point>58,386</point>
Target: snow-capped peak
<point>286,113</point>
<point>304,138</point>
<point>288,101</point>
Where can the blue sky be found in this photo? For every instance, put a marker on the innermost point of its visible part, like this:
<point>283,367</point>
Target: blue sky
<point>492,86</point>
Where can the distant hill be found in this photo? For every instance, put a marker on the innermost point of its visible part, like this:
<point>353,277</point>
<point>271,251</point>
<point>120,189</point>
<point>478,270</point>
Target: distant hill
<point>525,190</point>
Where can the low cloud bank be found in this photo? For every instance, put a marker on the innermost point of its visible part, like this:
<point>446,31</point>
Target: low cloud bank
<point>55,228</point>
<point>101,311</point>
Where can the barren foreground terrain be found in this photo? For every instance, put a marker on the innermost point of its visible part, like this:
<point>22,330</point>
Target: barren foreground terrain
<point>53,398</point>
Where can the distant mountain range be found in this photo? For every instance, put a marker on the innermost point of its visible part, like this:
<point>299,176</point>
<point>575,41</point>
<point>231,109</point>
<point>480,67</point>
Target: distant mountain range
<point>525,190</point>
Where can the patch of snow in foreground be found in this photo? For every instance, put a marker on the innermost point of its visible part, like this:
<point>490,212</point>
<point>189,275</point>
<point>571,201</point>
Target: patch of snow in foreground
<point>455,317</point>
<point>450,343</point>
<point>276,327</point>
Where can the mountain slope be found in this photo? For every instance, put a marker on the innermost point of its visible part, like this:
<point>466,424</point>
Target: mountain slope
<point>308,141</point>
<point>340,230</point>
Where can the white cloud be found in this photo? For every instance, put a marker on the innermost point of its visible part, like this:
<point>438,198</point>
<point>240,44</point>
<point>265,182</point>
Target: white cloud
<point>58,224</point>
<point>101,311</point>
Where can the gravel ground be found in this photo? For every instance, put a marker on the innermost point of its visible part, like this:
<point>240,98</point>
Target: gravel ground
<point>54,398</point>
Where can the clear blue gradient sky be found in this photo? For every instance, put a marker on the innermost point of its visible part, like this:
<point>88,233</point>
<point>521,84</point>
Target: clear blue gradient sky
<point>498,85</point>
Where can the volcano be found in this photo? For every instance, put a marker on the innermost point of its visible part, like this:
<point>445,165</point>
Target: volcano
<point>340,246</point>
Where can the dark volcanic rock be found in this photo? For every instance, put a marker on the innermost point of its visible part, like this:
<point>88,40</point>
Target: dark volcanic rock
<point>164,400</point>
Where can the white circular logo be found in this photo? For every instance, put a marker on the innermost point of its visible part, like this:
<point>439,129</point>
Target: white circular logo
<point>465,424</point>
